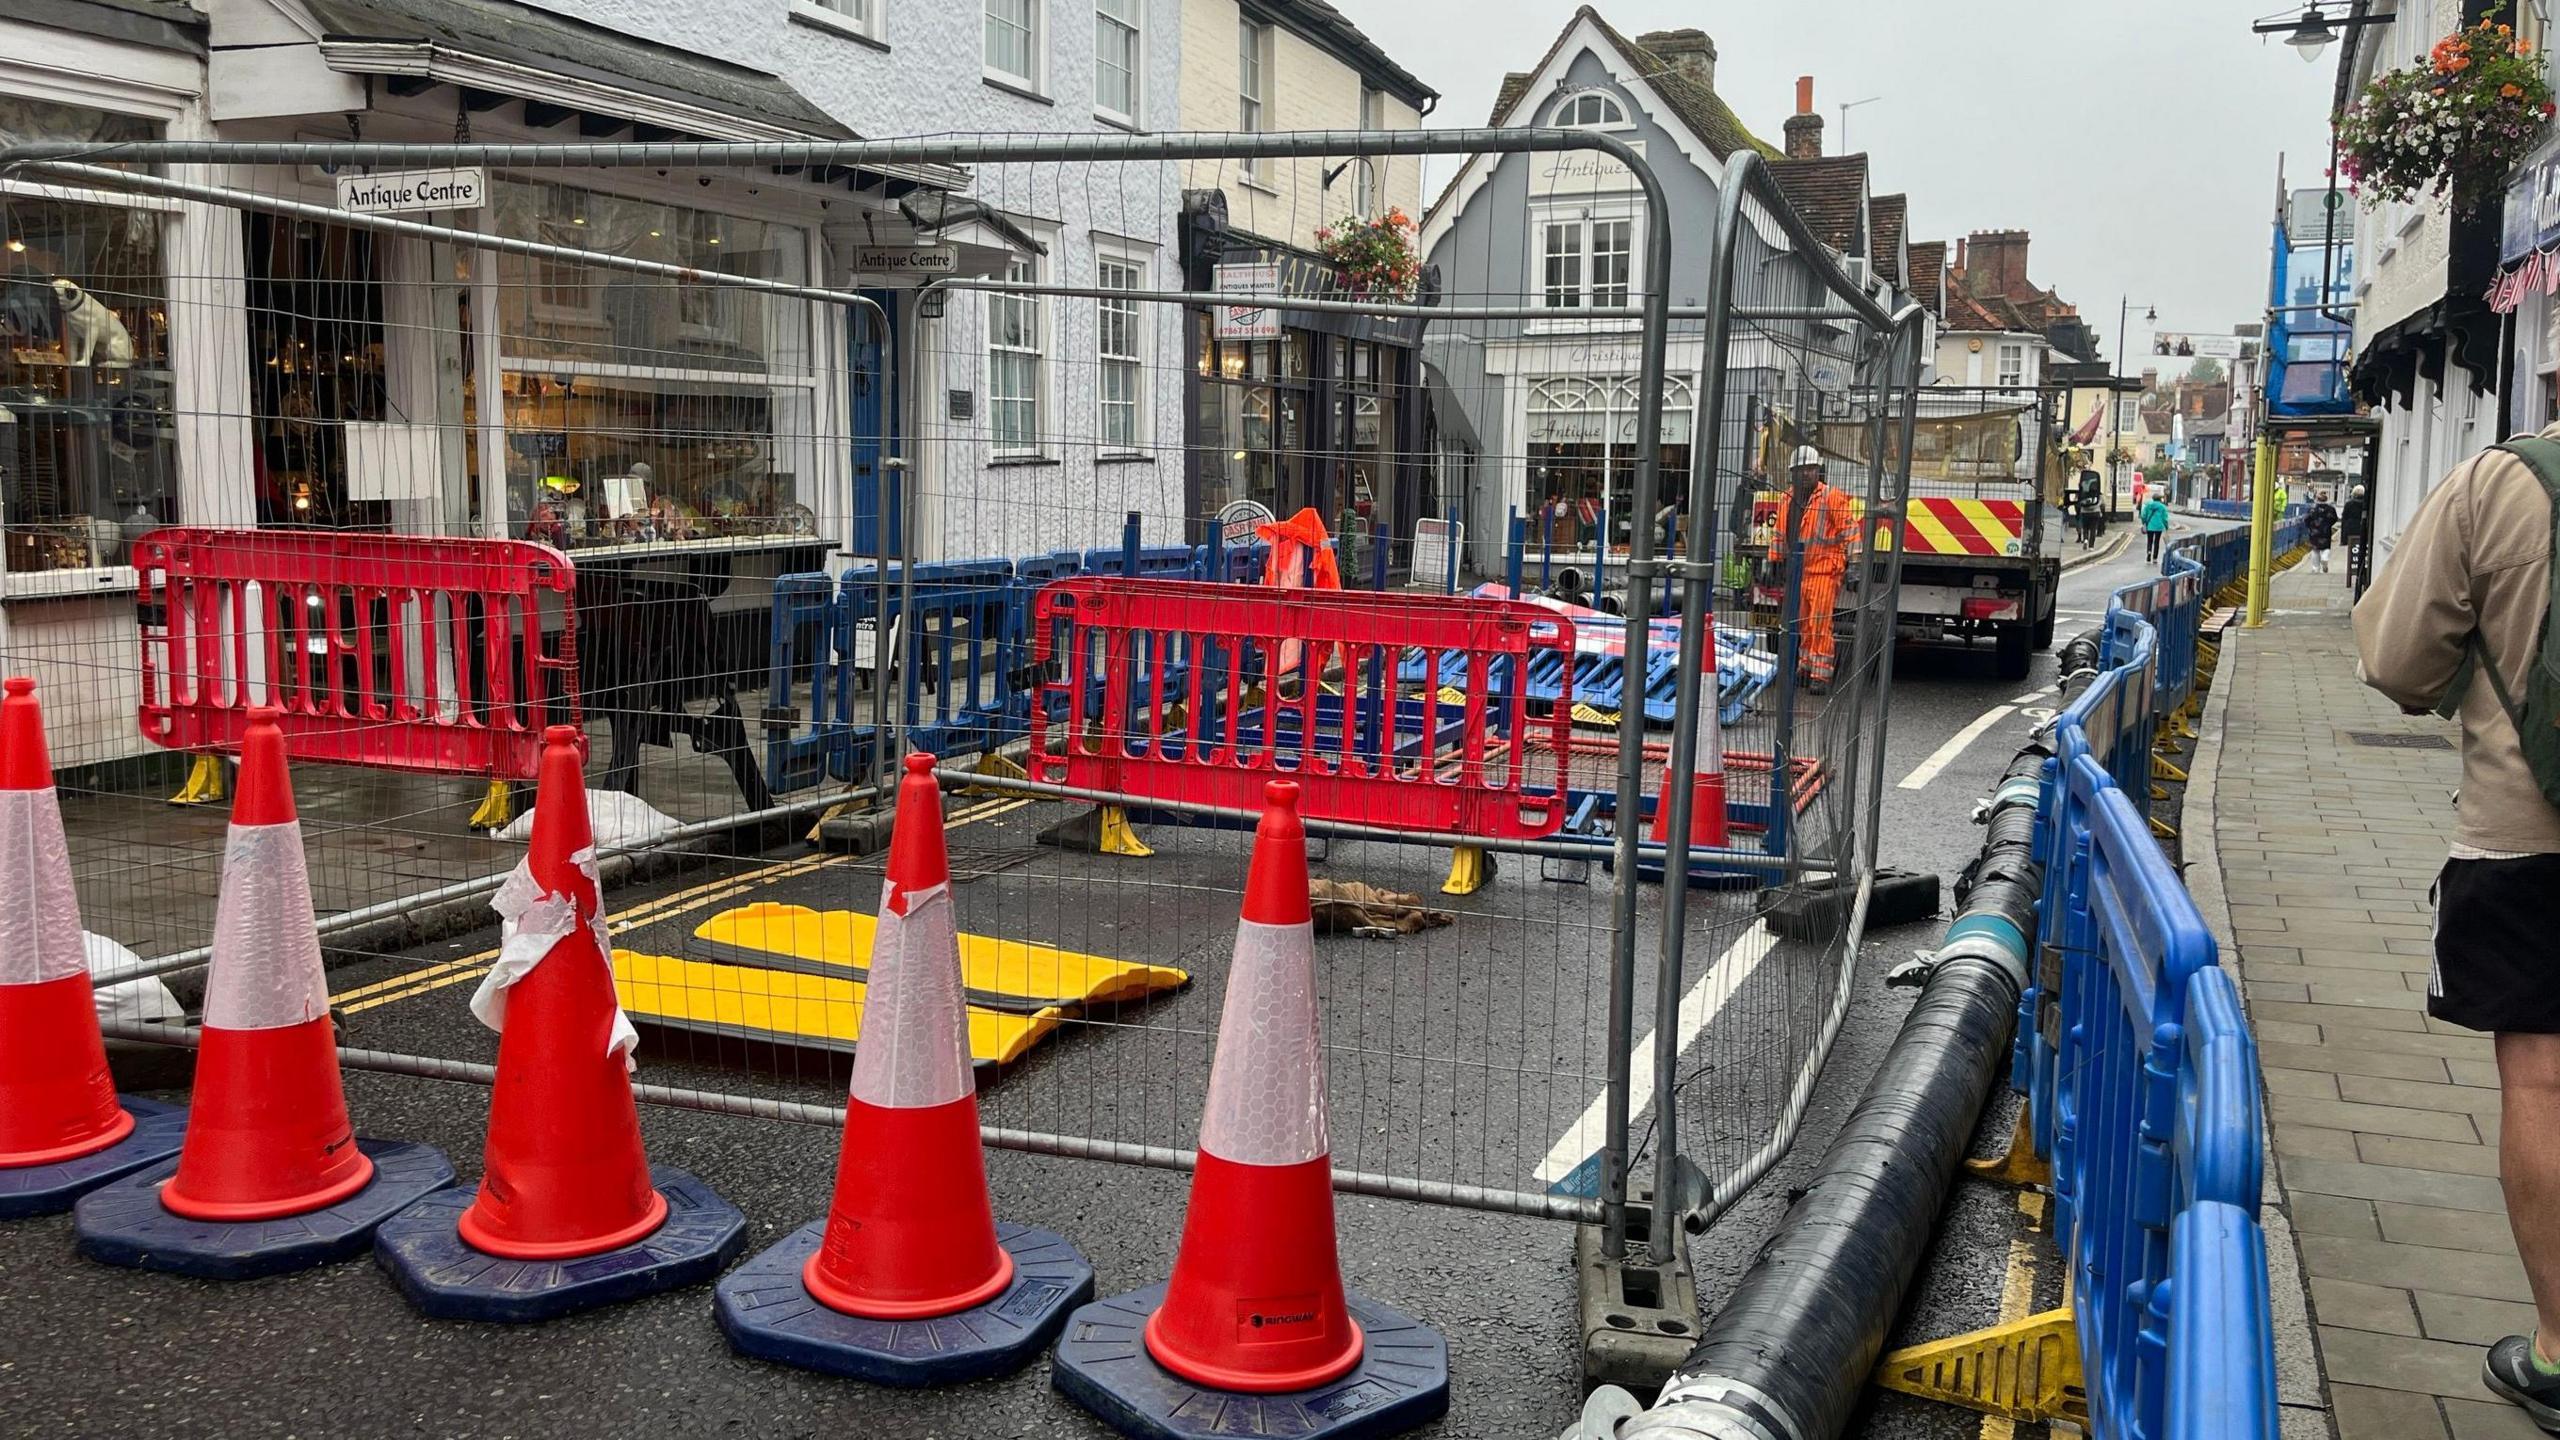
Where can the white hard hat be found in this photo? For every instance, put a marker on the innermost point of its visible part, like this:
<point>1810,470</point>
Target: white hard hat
<point>1805,455</point>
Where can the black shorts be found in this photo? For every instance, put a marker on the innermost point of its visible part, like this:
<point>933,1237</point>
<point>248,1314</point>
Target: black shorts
<point>2493,967</point>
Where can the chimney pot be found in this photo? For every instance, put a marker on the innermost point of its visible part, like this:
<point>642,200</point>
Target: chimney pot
<point>1804,94</point>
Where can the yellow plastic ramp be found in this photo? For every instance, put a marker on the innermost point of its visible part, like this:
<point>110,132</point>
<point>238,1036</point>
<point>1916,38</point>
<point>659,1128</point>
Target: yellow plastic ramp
<point>786,1007</point>
<point>1015,976</point>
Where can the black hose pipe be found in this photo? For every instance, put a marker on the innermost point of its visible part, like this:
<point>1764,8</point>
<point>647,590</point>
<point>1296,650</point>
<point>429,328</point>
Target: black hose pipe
<point>1788,1357</point>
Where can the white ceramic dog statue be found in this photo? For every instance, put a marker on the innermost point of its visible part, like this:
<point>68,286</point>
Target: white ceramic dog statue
<point>91,333</point>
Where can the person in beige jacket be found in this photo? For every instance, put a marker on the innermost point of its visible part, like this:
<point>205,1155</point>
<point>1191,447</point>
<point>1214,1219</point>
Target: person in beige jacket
<point>2476,561</point>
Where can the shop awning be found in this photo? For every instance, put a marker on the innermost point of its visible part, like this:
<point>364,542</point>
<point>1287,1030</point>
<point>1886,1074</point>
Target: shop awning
<point>592,83</point>
<point>1446,411</point>
<point>987,238</point>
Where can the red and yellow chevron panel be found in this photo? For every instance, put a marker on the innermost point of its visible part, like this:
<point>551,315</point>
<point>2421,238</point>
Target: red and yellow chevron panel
<point>1965,527</point>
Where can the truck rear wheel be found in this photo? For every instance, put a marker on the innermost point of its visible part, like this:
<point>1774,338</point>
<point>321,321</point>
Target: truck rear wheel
<point>2016,653</point>
<point>2044,633</point>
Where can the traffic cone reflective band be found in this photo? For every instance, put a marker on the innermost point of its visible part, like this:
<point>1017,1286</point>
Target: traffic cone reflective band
<point>911,1233</point>
<point>267,1135</point>
<point>565,1172</point>
<point>57,1100</point>
<point>1708,825</point>
<point>1256,1300</point>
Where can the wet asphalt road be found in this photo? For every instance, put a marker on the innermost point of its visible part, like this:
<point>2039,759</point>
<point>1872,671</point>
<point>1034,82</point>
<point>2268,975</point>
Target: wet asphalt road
<point>1422,1083</point>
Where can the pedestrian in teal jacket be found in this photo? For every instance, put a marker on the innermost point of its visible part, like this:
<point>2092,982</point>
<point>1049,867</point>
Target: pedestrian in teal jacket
<point>2155,525</point>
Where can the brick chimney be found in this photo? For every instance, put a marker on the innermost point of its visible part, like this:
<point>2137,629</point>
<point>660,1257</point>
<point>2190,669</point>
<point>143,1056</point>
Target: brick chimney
<point>1999,264</point>
<point>1690,52</point>
<point>1804,128</point>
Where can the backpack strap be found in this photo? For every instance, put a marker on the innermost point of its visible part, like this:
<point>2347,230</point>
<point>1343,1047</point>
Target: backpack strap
<point>2542,457</point>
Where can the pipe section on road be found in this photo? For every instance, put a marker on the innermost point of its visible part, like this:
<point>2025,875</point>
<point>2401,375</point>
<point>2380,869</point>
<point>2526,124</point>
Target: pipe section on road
<point>1789,1356</point>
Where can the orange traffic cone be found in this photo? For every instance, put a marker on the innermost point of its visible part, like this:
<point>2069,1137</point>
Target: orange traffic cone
<point>910,1239</point>
<point>268,1134</point>
<point>1256,1299</point>
<point>911,1232</point>
<point>57,1101</point>
<point>1707,822</point>
<point>1256,1305</point>
<point>565,1172</point>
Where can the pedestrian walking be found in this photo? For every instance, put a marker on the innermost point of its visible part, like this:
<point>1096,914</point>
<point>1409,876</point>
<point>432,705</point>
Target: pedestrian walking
<point>2092,509</point>
<point>2456,624</point>
<point>2155,527</point>
<point>1817,517</point>
<point>2319,526</point>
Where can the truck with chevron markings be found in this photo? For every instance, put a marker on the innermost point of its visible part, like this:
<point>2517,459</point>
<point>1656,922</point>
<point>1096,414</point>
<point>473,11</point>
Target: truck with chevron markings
<point>1976,561</point>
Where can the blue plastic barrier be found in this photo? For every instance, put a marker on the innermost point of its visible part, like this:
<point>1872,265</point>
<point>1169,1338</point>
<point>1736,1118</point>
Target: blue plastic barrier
<point>2141,1076</point>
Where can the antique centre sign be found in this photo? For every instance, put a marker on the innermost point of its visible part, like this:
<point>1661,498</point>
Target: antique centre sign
<point>403,191</point>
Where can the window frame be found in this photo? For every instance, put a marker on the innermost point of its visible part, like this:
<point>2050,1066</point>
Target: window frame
<point>1133,21</point>
<point>1043,332</point>
<point>1140,265</point>
<point>839,15</point>
<point>1587,217</point>
<point>1253,101</point>
<point>1035,29</point>
<point>2001,374</point>
<point>1615,119</point>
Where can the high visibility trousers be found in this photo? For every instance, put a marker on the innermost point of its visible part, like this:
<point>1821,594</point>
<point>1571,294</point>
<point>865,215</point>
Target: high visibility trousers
<point>1821,592</point>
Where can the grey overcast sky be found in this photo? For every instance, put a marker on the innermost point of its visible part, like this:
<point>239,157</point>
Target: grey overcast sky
<point>2137,141</point>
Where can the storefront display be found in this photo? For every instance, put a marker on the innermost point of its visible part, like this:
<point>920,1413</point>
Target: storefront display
<point>640,410</point>
<point>88,449</point>
<point>1581,443</point>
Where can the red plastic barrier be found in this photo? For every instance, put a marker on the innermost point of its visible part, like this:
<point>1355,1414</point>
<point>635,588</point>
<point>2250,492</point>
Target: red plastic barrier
<point>396,652</point>
<point>1161,690</point>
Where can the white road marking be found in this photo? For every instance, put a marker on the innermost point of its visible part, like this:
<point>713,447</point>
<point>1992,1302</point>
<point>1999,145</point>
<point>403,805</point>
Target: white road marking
<point>2032,696</point>
<point>1939,759</point>
<point>1698,1008</point>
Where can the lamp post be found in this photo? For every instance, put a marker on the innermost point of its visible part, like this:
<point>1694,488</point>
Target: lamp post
<point>2115,398</point>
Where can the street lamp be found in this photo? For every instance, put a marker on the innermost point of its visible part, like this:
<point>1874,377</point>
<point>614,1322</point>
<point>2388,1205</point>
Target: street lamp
<point>2314,30</point>
<point>2115,398</point>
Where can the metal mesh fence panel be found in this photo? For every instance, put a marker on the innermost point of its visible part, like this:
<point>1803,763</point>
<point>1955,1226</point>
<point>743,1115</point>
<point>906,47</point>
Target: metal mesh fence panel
<point>764,465</point>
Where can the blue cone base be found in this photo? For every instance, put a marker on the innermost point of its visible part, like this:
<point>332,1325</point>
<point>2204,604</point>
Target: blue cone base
<point>423,1249</point>
<point>125,1223</point>
<point>1102,1364</point>
<point>158,1131</point>
<point>769,1314</point>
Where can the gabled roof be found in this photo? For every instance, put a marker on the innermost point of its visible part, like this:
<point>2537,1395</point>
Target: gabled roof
<point>1830,193</point>
<point>1694,105</point>
<point>1886,215</point>
<point>1929,274</point>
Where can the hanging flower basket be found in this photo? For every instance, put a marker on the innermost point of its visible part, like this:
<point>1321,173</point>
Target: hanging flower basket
<point>2454,126</point>
<point>1372,258</point>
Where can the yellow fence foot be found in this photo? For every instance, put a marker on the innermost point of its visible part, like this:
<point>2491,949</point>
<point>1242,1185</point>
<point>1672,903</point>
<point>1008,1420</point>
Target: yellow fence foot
<point>2020,1166</point>
<point>208,783</point>
<point>2161,769</point>
<point>2026,1370</point>
<point>1117,838</point>
<point>1470,870</point>
<point>1590,715</point>
<point>996,766</point>
<point>1452,695</point>
<point>2163,828</point>
<point>497,807</point>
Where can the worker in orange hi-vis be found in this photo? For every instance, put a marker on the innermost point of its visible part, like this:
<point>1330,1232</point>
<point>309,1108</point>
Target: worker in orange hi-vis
<point>1817,516</point>
<point>1301,559</point>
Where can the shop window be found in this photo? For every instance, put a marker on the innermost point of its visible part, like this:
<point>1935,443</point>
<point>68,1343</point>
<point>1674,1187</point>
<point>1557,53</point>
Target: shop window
<point>88,441</point>
<point>1015,335</point>
<point>641,409</point>
<point>1582,455</point>
<point>1119,352</point>
<point>315,346</point>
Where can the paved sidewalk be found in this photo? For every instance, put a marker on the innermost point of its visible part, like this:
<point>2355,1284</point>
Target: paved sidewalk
<point>2384,1122</point>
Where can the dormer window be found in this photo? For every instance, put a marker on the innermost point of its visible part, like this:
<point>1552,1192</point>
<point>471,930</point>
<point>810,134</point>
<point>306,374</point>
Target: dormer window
<point>1588,110</point>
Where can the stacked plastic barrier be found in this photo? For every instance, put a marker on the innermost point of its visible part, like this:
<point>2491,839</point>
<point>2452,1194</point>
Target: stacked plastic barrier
<point>2140,1073</point>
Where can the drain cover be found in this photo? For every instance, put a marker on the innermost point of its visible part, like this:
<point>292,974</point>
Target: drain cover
<point>2399,740</point>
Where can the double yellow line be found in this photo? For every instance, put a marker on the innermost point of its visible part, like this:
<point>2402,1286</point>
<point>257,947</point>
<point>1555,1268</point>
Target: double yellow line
<point>665,907</point>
